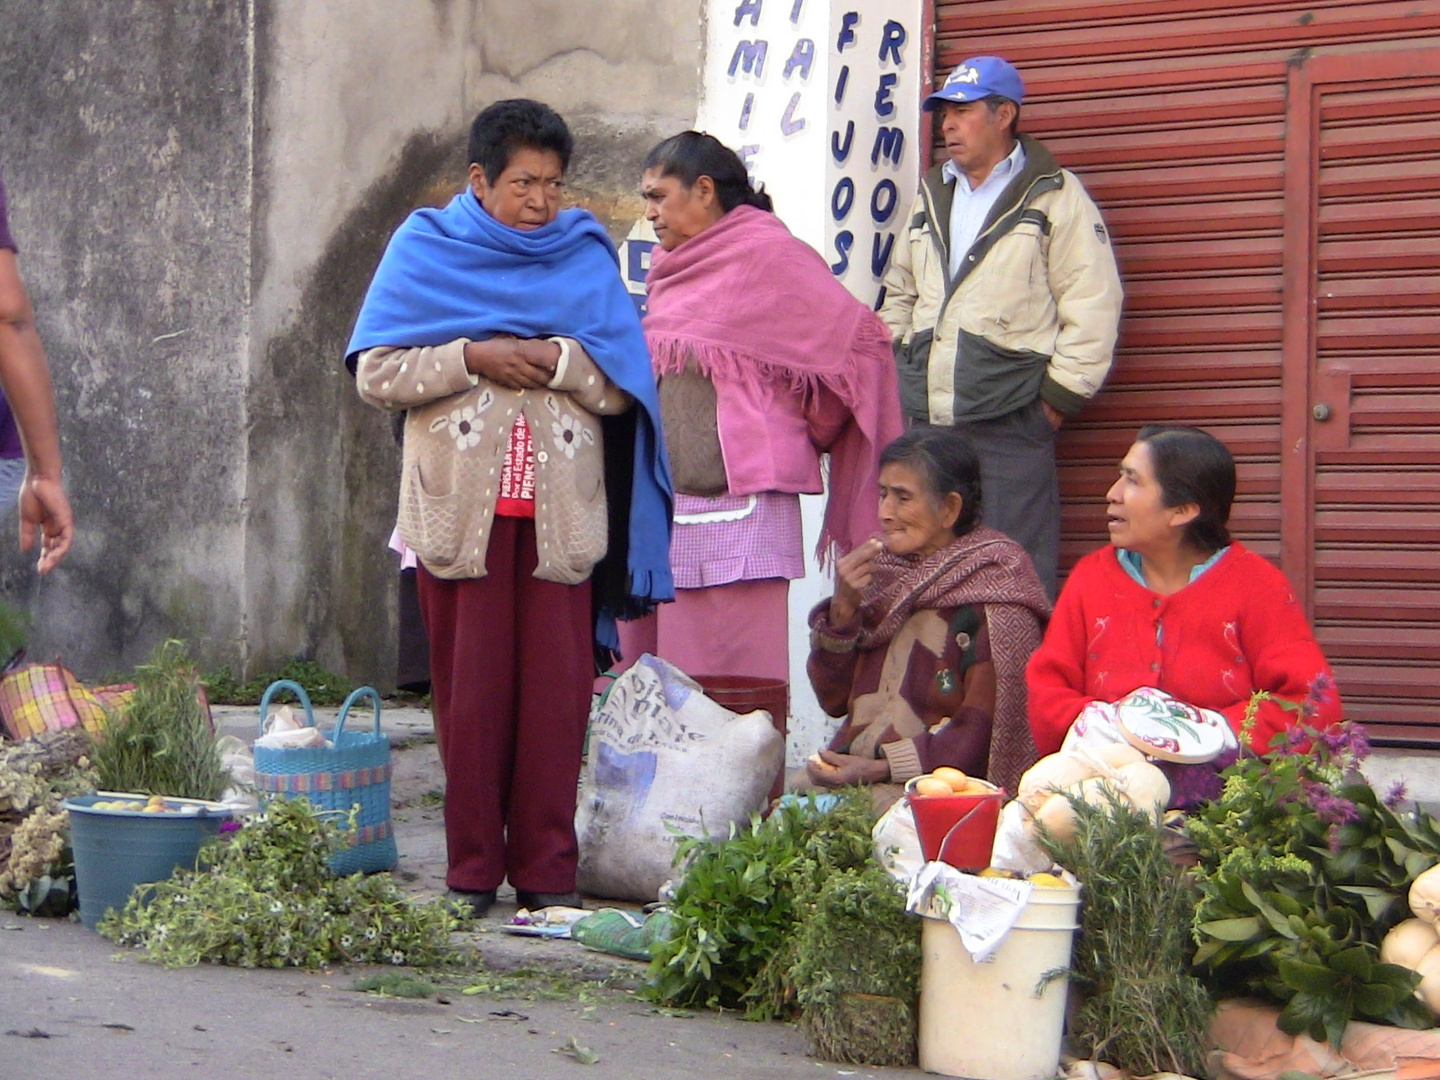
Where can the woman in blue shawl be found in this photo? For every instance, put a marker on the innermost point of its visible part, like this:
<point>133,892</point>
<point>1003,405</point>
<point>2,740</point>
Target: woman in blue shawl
<point>535,488</point>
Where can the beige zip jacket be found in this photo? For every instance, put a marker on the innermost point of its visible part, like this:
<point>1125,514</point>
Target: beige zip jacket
<point>1033,311</point>
<point>457,431</point>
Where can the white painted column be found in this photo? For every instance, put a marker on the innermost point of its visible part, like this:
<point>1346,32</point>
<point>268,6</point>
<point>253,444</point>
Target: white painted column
<point>821,99</point>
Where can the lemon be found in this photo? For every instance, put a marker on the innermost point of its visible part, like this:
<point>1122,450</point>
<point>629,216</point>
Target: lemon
<point>1047,881</point>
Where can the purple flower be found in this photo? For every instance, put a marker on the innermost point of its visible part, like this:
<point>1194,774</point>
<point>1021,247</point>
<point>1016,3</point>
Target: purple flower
<point>229,826</point>
<point>1348,737</point>
<point>1329,807</point>
<point>1396,795</point>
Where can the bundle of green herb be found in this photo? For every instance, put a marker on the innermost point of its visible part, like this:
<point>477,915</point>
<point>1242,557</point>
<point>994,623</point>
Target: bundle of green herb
<point>161,741</point>
<point>1141,1009</point>
<point>1303,870</point>
<point>742,898</point>
<point>266,898</point>
<point>857,970</point>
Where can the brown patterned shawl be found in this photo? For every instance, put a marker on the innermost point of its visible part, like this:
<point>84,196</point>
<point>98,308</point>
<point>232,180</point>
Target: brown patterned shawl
<point>982,567</point>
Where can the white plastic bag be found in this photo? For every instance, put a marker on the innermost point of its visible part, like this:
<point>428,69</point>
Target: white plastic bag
<point>665,761</point>
<point>897,841</point>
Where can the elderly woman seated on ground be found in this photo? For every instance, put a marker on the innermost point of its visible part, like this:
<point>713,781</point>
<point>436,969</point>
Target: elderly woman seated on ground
<point>924,644</point>
<point>1174,604</point>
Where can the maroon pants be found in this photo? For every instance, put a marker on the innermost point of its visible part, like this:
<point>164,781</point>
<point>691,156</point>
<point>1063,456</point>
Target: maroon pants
<point>511,666</point>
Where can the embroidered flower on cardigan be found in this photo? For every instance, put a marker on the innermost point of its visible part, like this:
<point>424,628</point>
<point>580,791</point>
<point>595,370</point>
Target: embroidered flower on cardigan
<point>569,433</point>
<point>464,427</point>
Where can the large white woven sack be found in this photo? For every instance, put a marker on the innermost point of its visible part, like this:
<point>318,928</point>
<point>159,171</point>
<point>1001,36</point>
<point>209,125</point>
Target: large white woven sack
<point>665,762</point>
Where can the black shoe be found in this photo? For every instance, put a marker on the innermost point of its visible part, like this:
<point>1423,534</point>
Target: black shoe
<point>537,900</point>
<point>478,903</point>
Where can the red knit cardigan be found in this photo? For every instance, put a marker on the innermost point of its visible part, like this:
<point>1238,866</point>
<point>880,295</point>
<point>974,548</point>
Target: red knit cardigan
<point>1235,629</point>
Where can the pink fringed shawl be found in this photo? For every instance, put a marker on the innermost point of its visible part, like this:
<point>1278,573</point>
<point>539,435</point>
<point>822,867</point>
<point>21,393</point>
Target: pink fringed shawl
<point>745,301</point>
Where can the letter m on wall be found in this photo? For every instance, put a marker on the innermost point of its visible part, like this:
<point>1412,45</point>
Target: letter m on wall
<point>749,55</point>
<point>889,144</point>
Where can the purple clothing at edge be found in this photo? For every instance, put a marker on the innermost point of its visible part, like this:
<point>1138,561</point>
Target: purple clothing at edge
<point>9,434</point>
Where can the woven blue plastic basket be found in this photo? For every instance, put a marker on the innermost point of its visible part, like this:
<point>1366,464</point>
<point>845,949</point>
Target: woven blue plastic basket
<point>355,771</point>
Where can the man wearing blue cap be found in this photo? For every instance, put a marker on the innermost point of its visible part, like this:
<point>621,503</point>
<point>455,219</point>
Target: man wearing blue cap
<point>1004,301</point>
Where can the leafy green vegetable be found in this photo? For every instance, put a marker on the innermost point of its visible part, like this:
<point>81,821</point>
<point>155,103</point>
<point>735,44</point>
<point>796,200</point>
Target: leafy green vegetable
<point>743,897</point>
<point>1303,870</point>
<point>266,898</point>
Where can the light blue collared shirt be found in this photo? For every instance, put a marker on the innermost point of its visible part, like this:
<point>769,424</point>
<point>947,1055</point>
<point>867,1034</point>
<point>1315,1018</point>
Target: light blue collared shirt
<point>1130,560</point>
<point>970,208</point>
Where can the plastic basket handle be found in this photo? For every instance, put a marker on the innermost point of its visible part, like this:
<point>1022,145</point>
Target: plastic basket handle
<point>295,688</point>
<point>356,695</point>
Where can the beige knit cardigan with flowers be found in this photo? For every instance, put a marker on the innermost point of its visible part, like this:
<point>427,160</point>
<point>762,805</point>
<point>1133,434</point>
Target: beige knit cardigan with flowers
<point>457,432</point>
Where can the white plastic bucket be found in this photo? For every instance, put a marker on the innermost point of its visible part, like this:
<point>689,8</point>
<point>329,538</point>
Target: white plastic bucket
<point>995,1021</point>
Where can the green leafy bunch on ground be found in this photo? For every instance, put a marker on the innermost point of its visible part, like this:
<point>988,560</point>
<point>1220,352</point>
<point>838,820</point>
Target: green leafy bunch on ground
<point>265,897</point>
<point>161,742</point>
<point>857,969</point>
<point>742,899</point>
<point>1141,1009</point>
<point>1303,871</point>
<point>324,686</point>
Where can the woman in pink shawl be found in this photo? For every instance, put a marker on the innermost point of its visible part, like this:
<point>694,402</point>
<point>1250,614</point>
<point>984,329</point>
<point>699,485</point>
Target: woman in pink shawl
<point>765,362</point>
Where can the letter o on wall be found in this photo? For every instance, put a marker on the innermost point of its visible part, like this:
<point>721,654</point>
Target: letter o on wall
<point>843,198</point>
<point>880,212</point>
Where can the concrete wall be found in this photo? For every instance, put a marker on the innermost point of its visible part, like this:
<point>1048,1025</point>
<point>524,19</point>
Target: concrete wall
<point>201,193</point>
<point>124,136</point>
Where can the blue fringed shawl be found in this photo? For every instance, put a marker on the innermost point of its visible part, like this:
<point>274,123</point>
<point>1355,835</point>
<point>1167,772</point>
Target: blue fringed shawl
<point>459,273</point>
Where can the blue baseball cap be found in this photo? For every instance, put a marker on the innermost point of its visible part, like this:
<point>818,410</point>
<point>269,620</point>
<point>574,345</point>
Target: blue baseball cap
<point>976,78</point>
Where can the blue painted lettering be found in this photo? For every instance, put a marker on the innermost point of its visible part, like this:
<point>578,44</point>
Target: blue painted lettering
<point>746,154</point>
<point>745,111</point>
<point>788,124</point>
<point>889,144</point>
<point>847,31</point>
<point>839,151</point>
<point>751,8</point>
<point>842,198</point>
<point>840,84</point>
<point>637,259</point>
<point>844,241</point>
<point>802,56</point>
<point>880,212</point>
<point>880,299</point>
<point>795,11</point>
<point>883,105</point>
<point>751,56</point>
<point>891,40</point>
<point>880,255</point>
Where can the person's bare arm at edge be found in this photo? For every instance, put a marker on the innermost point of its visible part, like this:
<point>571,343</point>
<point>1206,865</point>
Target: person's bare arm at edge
<point>25,379</point>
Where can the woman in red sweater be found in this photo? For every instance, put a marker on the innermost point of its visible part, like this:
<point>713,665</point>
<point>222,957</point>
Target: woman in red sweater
<point>1175,604</point>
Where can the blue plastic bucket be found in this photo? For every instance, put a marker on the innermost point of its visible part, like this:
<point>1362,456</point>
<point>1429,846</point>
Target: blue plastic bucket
<point>116,850</point>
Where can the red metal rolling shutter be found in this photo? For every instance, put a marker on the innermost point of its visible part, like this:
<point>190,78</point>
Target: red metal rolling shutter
<point>1174,114</point>
<point>1366,130</point>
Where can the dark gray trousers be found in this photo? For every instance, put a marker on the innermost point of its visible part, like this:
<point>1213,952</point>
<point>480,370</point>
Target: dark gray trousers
<point>1021,491</point>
